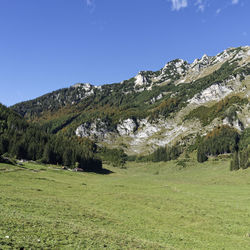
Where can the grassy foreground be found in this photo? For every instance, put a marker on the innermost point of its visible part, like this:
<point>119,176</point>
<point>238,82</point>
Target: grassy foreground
<point>147,206</point>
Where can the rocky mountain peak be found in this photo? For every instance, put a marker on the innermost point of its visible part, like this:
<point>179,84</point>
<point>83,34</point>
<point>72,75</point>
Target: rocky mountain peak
<point>200,64</point>
<point>176,66</point>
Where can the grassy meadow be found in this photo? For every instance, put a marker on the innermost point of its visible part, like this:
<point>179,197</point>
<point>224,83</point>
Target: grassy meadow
<point>145,206</point>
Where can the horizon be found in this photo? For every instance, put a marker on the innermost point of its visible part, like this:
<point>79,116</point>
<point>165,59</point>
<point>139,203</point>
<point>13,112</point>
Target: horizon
<point>48,46</point>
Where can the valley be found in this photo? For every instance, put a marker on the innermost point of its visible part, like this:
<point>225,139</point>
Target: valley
<point>145,206</point>
<point>141,164</point>
<point>125,125</point>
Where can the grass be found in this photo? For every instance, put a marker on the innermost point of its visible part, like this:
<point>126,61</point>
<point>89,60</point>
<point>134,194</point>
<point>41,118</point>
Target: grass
<point>146,206</point>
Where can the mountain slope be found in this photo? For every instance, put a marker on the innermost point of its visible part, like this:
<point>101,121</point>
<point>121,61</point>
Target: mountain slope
<point>22,140</point>
<point>153,108</point>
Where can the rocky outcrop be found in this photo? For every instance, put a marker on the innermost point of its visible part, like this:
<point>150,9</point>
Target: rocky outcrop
<point>95,130</point>
<point>175,67</point>
<point>200,64</point>
<point>140,80</point>
<point>215,92</point>
<point>235,123</point>
<point>127,127</point>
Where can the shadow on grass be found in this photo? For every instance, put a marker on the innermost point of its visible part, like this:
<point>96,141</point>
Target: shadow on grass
<point>103,171</point>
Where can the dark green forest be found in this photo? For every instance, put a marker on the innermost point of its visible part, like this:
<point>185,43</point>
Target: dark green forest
<point>21,140</point>
<point>225,140</point>
<point>220,140</point>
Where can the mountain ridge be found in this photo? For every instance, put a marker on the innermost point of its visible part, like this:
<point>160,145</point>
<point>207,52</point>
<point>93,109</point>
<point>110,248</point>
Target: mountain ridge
<point>153,108</point>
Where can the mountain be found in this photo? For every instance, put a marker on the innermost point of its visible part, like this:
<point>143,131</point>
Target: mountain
<point>173,105</point>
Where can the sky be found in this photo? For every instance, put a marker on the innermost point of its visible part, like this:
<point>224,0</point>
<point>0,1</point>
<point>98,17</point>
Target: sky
<point>46,45</point>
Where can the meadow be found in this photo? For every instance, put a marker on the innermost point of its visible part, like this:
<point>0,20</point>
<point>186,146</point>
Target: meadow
<point>145,206</point>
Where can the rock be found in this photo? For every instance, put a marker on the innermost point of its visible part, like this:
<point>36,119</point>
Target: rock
<point>237,124</point>
<point>175,67</point>
<point>78,170</point>
<point>214,93</point>
<point>97,129</point>
<point>159,97</point>
<point>140,80</point>
<point>200,64</point>
<point>127,127</point>
<point>85,86</point>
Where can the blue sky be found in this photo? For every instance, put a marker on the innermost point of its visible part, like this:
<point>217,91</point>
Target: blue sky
<point>50,44</point>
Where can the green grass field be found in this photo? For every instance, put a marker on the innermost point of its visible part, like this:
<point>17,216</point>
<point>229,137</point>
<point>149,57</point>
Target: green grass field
<point>146,206</point>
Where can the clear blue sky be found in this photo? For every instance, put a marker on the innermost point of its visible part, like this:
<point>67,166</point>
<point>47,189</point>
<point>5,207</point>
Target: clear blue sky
<point>50,44</point>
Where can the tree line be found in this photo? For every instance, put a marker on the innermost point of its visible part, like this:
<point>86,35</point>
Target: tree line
<point>225,139</point>
<point>164,153</point>
<point>220,140</point>
<point>241,157</point>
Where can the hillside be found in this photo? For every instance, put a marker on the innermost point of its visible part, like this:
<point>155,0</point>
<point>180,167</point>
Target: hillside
<point>21,140</point>
<point>152,109</point>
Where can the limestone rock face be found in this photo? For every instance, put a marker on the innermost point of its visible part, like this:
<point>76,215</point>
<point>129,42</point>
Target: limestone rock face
<point>96,129</point>
<point>214,93</point>
<point>127,127</point>
<point>84,86</point>
<point>235,123</point>
<point>140,80</point>
<point>222,56</point>
<point>178,66</point>
<point>200,64</point>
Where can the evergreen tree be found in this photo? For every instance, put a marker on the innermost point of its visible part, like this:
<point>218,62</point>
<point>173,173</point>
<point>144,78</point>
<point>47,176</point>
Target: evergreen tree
<point>67,157</point>
<point>201,155</point>
<point>48,155</point>
<point>4,143</point>
<point>244,156</point>
<point>234,165</point>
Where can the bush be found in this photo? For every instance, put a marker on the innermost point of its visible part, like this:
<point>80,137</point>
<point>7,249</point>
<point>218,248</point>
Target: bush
<point>181,163</point>
<point>7,160</point>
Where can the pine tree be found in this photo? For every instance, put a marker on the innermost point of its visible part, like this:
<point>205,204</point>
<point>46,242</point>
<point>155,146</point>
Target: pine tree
<point>48,154</point>
<point>67,157</point>
<point>201,156</point>
<point>234,164</point>
<point>244,158</point>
